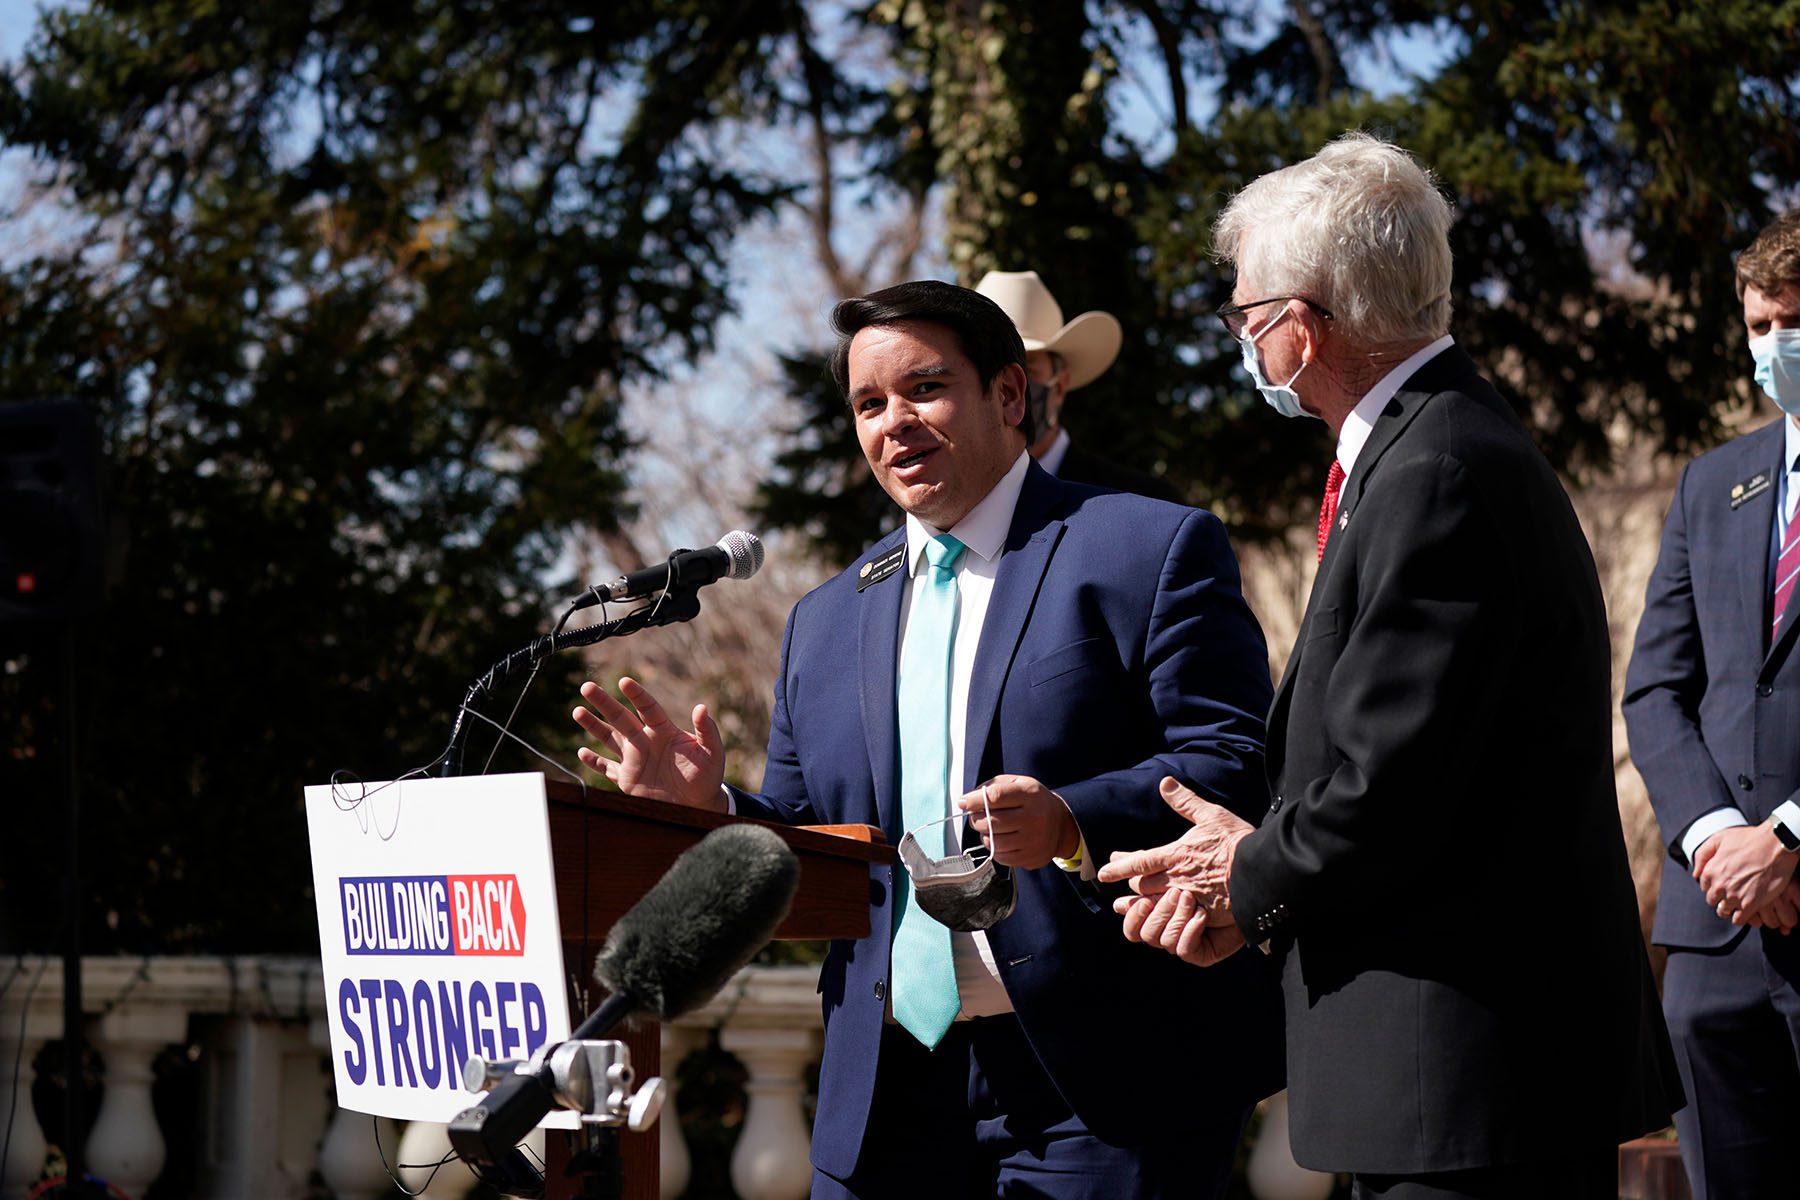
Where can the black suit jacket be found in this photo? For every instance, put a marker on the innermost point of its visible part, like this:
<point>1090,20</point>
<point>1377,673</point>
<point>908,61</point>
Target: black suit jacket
<point>1442,864</point>
<point>1712,706</point>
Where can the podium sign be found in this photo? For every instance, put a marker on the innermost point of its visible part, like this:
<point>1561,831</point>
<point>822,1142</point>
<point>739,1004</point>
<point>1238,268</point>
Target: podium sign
<point>439,934</point>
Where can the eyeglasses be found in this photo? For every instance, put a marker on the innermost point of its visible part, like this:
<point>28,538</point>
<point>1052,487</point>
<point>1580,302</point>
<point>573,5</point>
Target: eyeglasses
<point>1236,316</point>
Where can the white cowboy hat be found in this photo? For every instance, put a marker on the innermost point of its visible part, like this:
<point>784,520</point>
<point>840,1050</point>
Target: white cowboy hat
<point>1088,344</point>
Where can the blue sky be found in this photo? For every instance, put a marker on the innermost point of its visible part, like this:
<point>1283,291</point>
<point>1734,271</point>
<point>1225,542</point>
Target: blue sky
<point>16,19</point>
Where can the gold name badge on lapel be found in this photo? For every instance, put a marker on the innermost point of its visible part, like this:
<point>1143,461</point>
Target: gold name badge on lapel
<point>878,569</point>
<point>1750,489</point>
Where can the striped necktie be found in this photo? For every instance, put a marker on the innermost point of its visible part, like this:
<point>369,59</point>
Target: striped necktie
<point>924,973</point>
<point>1787,567</point>
<point>1334,485</point>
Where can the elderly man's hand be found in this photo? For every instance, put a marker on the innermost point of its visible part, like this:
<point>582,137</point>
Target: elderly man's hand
<point>1199,861</point>
<point>1176,922</point>
<point>1743,870</point>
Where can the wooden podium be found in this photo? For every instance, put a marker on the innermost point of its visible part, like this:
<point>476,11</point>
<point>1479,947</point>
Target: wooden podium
<point>609,849</point>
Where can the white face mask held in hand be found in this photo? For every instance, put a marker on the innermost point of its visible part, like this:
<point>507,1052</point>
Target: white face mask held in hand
<point>963,892</point>
<point>1777,357</point>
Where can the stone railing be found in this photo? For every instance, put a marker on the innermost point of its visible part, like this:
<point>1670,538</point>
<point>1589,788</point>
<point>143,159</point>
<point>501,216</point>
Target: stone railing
<point>267,1125</point>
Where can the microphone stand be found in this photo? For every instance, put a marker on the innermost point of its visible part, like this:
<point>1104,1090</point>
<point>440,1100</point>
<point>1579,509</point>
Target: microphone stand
<point>497,1161</point>
<point>680,603</point>
<point>583,1074</point>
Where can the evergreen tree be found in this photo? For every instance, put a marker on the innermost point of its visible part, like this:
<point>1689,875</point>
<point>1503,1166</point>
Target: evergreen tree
<point>1605,160</point>
<point>354,289</point>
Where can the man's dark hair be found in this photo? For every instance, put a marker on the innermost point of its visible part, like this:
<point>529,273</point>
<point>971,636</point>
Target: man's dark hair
<point>984,333</point>
<point>1772,263</point>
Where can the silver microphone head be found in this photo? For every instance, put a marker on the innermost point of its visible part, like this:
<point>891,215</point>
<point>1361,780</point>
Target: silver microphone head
<point>745,551</point>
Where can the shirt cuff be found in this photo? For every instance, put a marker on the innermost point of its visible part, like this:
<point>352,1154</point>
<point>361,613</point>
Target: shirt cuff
<point>730,801</point>
<point>1788,813</point>
<point>1077,863</point>
<point>1705,826</point>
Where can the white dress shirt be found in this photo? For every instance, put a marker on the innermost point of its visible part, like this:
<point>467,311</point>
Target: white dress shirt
<point>1052,459</point>
<point>1361,421</point>
<point>983,531</point>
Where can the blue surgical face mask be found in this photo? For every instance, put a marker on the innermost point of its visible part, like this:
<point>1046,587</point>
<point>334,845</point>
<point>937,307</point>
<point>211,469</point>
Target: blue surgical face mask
<point>1777,357</point>
<point>1279,396</point>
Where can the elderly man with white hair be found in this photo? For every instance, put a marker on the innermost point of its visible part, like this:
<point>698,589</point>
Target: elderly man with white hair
<point>1441,870</point>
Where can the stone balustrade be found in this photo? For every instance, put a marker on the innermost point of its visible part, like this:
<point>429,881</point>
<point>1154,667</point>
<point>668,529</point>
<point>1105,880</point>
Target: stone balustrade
<point>267,1124</point>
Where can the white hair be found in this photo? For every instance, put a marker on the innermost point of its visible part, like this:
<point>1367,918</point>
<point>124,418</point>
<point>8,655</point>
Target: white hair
<point>1359,228</point>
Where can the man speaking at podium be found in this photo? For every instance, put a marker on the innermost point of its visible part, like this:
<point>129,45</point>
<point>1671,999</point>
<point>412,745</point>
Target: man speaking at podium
<point>1035,654</point>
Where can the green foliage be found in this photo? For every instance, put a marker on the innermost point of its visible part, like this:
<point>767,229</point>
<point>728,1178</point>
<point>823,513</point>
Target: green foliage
<point>1009,105</point>
<point>1606,161</point>
<point>354,289</point>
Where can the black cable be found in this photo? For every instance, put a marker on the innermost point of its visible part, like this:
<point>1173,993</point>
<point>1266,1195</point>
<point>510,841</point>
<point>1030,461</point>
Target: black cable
<point>669,608</point>
<point>536,666</point>
<point>375,1126</point>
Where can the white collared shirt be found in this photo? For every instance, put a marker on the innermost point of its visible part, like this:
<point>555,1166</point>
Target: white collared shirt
<point>984,532</point>
<point>1789,480</point>
<point>1052,459</point>
<point>1361,421</point>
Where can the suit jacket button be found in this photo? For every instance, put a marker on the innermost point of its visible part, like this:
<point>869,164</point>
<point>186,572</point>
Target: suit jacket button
<point>1745,782</point>
<point>880,990</point>
<point>1765,689</point>
<point>1275,805</point>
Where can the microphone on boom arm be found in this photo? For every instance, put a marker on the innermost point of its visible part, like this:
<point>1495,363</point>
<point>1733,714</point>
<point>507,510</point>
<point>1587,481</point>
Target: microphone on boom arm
<point>706,917</point>
<point>675,584</point>
<point>737,555</point>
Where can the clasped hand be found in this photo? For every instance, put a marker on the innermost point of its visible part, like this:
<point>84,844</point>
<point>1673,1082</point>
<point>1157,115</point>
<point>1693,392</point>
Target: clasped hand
<point>1183,890</point>
<point>1749,878</point>
<point>653,756</point>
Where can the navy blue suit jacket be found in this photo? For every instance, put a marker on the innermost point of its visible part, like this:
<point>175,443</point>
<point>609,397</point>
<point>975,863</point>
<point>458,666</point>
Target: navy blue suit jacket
<point>1711,708</point>
<point>1117,649</point>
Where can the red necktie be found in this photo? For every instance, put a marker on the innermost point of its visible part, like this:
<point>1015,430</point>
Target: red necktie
<point>1786,568</point>
<point>1334,484</point>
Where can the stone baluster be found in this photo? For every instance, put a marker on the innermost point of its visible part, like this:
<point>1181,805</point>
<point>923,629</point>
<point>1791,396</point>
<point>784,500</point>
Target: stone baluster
<point>422,1146</point>
<point>25,1152</point>
<point>422,1150</point>
<point>30,1015</point>
<point>348,1161</point>
<point>125,1146</point>
<point>772,1159</point>
<point>264,1110</point>
<point>1272,1173</point>
<point>677,1168</point>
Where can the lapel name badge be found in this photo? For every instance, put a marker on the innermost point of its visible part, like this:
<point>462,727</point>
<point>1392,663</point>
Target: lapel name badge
<point>1750,489</point>
<point>878,569</point>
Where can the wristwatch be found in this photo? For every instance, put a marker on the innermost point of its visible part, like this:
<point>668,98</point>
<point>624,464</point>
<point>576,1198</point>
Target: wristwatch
<point>1786,834</point>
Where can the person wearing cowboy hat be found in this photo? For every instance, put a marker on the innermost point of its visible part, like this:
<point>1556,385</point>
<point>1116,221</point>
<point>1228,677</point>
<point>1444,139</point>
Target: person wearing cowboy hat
<point>1060,357</point>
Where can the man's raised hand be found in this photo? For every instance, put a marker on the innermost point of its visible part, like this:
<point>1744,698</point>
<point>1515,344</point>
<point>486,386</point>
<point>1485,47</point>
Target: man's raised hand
<point>652,756</point>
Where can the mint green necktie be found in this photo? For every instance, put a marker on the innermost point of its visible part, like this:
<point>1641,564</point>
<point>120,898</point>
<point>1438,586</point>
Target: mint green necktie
<point>924,975</point>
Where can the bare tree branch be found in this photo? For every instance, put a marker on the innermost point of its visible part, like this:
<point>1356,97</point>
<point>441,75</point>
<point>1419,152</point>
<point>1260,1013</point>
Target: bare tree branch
<point>1168,40</point>
<point>1325,55</point>
<point>817,74</point>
